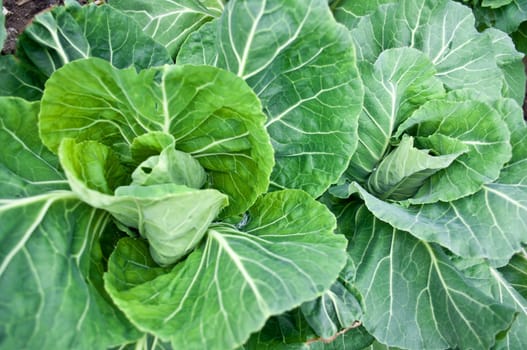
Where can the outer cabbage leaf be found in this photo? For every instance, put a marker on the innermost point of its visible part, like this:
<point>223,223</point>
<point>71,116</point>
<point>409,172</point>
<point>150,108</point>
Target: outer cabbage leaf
<point>444,31</point>
<point>49,249</point>
<point>511,64</point>
<point>20,79</point>
<point>301,64</point>
<point>515,272</point>
<point>64,34</point>
<point>349,12</point>
<point>516,338</point>
<point>170,22</point>
<point>507,17</point>
<point>212,115</point>
<point>494,283</point>
<point>280,333</point>
<point>336,310</point>
<point>227,288</point>
<point>414,297</point>
<point>489,224</point>
<point>398,83</point>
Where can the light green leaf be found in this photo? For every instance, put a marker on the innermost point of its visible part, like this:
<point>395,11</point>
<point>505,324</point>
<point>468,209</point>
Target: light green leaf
<point>64,34</point>
<point>212,115</point>
<point>516,337</point>
<point>489,224</point>
<point>495,3</point>
<point>169,22</point>
<point>512,114</point>
<point>231,284</point>
<point>49,249</point>
<point>174,218</point>
<point>444,31</point>
<point>477,126</point>
<point>403,171</point>
<point>413,295</point>
<point>301,64</point>
<point>509,110</point>
<point>349,12</point>
<point>170,166</point>
<point>147,342</point>
<point>510,62</point>
<point>397,84</point>
<point>494,282</point>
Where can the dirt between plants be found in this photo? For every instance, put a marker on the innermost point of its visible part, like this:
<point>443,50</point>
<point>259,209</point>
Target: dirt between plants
<point>19,14</point>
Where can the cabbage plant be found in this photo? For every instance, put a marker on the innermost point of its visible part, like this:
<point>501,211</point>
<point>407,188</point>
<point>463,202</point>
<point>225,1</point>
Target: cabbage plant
<point>263,175</point>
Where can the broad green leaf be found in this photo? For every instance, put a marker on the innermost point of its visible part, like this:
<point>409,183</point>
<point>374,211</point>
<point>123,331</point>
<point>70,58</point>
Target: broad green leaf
<point>513,115</point>
<point>173,217</point>
<point>515,272</point>
<point>200,47</point>
<point>510,62</point>
<point>356,338</point>
<point>349,12</point>
<point>170,166</point>
<point>20,79</point>
<point>169,22</point>
<point>334,311</point>
<point>212,115</point>
<point>403,171</point>
<point>516,337</point>
<point>493,282</point>
<point>64,34</point>
<point>495,3</point>
<point>398,83</point>
<point>27,168</point>
<point>489,224</point>
<point>49,249</point>
<point>301,64</point>
<point>444,31</point>
<point>506,18</point>
<point>414,297</point>
<point>231,284</point>
<point>287,331</point>
<point>479,127</point>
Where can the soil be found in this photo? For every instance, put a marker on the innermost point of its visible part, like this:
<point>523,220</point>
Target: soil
<point>21,12</point>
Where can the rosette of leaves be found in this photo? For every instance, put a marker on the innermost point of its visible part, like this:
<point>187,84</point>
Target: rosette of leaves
<point>121,198</point>
<point>433,202</point>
